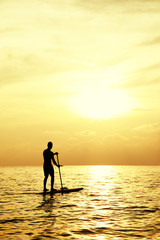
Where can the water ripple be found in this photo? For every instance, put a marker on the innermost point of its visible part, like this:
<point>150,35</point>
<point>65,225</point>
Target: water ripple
<point>121,203</point>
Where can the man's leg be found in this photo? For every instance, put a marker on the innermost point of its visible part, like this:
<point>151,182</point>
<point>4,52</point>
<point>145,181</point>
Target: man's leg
<point>45,180</point>
<point>52,180</point>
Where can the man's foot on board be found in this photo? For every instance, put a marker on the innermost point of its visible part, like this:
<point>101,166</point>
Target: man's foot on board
<point>53,190</point>
<point>45,190</point>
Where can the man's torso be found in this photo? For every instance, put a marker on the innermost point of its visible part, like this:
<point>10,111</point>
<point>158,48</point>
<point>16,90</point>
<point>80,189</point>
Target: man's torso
<point>48,156</point>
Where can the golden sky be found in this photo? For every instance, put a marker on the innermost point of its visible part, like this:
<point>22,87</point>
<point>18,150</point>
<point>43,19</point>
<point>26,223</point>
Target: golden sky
<point>83,74</point>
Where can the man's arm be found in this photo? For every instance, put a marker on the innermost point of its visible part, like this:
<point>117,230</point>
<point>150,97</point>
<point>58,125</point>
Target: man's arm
<point>56,153</point>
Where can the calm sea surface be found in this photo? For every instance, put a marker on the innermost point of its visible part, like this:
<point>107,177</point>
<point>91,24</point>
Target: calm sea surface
<point>118,202</point>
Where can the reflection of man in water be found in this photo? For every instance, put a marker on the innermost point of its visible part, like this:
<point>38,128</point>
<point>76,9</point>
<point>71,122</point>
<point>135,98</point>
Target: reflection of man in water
<point>47,166</point>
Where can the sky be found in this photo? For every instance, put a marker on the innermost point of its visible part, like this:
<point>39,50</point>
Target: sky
<point>83,74</point>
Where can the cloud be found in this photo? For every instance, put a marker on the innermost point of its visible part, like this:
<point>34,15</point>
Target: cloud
<point>55,36</point>
<point>147,135</point>
<point>153,41</point>
<point>115,138</point>
<point>143,109</point>
<point>140,83</point>
<point>103,5</point>
<point>36,39</point>
<point>56,132</point>
<point>17,67</point>
<point>144,76</point>
<point>85,138</point>
<point>153,128</point>
<point>86,133</point>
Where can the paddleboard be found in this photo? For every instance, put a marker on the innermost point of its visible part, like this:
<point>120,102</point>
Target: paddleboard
<point>65,190</point>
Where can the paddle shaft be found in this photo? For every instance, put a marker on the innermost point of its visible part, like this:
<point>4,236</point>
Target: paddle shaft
<point>60,174</point>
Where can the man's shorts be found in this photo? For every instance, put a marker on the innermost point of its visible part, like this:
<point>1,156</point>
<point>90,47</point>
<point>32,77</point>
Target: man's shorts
<point>48,171</point>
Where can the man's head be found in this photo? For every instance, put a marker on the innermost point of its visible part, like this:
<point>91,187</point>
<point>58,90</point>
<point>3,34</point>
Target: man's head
<point>50,144</point>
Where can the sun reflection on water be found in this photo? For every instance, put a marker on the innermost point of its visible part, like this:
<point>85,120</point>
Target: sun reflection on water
<point>117,203</point>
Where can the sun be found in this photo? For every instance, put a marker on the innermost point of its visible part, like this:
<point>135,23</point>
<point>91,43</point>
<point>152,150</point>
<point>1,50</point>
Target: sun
<point>101,103</point>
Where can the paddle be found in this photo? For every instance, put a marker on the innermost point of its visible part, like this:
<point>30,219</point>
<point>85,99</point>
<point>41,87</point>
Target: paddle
<point>60,174</point>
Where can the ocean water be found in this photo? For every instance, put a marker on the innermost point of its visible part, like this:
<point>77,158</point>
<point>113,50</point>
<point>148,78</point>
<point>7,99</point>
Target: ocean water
<point>118,202</point>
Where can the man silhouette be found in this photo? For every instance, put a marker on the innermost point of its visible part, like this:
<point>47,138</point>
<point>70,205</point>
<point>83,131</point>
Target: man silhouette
<point>48,155</point>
